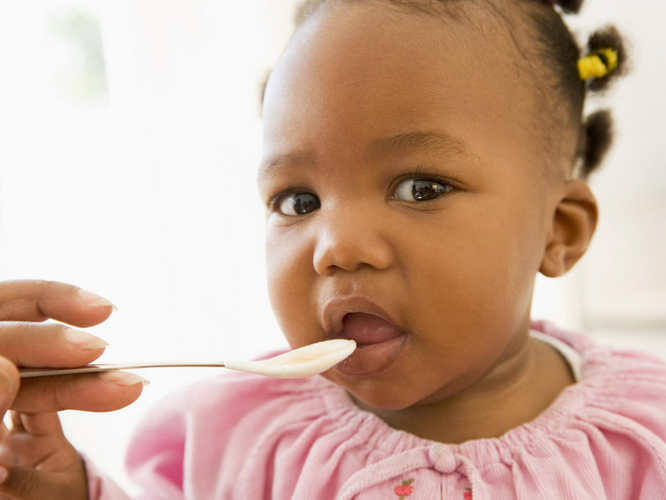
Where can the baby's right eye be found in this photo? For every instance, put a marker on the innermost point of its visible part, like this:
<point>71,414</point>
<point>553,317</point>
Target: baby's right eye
<point>293,204</point>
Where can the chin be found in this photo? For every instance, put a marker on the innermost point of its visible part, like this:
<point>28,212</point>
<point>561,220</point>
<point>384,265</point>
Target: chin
<point>388,405</point>
<point>388,394</point>
<point>390,400</point>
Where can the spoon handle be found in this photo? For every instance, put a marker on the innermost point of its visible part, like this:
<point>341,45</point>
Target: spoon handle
<point>47,372</point>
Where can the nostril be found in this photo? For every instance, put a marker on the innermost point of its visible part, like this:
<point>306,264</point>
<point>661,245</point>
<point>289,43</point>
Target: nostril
<point>350,256</point>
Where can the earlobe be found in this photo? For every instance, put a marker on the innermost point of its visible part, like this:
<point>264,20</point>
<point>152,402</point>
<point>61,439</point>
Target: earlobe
<point>573,224</point>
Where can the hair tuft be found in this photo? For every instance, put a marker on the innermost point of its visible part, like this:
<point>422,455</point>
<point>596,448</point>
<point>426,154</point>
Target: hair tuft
<point>608,38</point>
<point>570,6</point>
<point>598,137</point>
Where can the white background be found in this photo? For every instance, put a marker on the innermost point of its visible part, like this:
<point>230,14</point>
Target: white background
<point>143,188</point>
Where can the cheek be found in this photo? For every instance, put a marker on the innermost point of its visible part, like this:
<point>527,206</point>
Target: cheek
<point>290,285</point>
<point>475,273</point>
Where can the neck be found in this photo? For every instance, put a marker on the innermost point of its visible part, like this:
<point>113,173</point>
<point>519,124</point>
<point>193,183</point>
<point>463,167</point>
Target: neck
<point>513,393</point>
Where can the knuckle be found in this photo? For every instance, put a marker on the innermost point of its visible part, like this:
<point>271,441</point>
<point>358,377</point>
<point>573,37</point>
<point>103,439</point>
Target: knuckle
<point>63,392</point>
<point>28,483</point>
<point>19,307</point>
<point>48,284</point>
<point>42,394</point>
<point>58,329</point>
<point>14,334</point>
<point>22,482</point>
<point>16,327</point>
<point>25,328</point>
<point>48,290</point>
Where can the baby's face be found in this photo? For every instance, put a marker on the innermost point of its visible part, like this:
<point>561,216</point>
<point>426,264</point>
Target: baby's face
<point>409,208</point>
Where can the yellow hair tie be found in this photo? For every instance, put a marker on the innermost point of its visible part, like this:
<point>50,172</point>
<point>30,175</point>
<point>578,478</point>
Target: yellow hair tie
<point>597,64</point>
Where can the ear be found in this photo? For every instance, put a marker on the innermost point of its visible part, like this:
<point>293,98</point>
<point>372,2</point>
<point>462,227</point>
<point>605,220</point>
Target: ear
<point>573,225</point>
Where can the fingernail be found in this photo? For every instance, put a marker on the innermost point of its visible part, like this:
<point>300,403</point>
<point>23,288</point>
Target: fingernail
<point>83,340</point>
<point>94,300</point>
<point>123,378</point>
<point>3,474</point>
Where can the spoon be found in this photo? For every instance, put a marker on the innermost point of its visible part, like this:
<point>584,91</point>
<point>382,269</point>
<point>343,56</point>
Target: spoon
<point>302,362</point>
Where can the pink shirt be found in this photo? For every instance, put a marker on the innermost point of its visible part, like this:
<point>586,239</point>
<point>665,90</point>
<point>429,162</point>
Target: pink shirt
<point>247,437</point>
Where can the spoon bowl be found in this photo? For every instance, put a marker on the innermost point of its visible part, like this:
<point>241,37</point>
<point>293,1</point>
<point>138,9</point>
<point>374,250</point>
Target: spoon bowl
<point>302,362</point>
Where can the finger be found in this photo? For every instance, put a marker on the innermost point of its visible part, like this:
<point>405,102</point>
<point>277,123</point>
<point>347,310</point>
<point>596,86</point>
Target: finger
<point>26,483</point>
<point>17,425</point>
<point>32,300</point>
<point>9,384</point>
<point>38,424</point>
<point>93,392</point>
<point>48,345</point>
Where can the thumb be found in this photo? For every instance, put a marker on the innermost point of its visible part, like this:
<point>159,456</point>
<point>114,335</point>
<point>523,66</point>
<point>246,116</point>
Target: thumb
<point>9,384</point>
<point>26,483</point>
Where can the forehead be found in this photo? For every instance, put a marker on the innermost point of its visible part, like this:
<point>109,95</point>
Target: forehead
<point>355,73</point>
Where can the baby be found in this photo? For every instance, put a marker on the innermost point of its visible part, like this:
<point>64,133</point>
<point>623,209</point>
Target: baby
<point>423,161</point>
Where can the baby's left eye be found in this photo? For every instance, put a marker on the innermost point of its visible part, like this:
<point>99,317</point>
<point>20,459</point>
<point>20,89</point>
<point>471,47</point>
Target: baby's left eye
<point>420,190</point>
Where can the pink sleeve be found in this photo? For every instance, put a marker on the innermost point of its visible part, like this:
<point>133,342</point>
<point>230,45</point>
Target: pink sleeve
<point>101,487</point>
<point>154,459</point>
<point>156,454</point>
<point>178,449</point>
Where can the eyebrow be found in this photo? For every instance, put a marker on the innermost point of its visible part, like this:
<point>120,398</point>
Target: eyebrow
<point>273,165</point>
<point>431,142</point>
<point>436,142</point>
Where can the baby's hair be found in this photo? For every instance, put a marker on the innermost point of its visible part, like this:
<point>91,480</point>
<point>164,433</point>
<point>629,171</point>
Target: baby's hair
<point>557,47</point>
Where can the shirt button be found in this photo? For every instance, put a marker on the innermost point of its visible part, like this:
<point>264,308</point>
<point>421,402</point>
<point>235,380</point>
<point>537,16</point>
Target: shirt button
<point>442,460</point>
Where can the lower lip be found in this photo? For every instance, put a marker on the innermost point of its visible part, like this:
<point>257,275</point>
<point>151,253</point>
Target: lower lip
<point>372,359</point>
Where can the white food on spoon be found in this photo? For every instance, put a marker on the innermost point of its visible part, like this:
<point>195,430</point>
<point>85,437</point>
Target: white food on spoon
<point>302,362</point>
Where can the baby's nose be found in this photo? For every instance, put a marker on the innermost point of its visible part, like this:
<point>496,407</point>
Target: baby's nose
<point>349,238</point>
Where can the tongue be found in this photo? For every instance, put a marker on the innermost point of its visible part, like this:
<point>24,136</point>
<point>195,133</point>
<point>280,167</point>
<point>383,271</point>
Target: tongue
<point>368,329</point>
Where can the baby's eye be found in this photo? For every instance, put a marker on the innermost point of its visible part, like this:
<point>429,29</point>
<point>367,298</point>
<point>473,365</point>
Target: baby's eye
<point>420,190</point>
<point>298,204</point>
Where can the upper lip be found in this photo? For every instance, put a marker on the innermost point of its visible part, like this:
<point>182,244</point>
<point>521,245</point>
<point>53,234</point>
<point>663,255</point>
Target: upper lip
<point>335,310</point>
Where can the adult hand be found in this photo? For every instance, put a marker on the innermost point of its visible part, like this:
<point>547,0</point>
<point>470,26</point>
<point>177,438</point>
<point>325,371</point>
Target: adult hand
<point>36,461</point>
<point>28,342</point>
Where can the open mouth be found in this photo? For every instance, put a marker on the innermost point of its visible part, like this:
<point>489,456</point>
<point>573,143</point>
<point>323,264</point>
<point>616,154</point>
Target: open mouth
<point>379,342</point>
<point>368,329</point>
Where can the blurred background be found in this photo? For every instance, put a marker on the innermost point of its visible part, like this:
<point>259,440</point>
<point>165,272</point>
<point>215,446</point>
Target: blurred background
<point>129,139</point>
